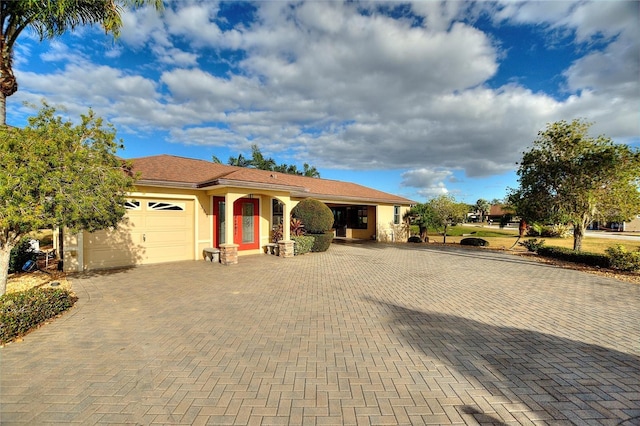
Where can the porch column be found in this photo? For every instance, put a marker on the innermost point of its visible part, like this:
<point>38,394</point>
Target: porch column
<point>286,245</point>
<point>229,250</point>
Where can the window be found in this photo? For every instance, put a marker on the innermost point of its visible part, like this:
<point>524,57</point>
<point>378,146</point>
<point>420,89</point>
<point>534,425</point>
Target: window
<point>357,217</point>
<point>278,212</point>
<point>396,215</point>
<point>132,205</point>
<point>353,217</point>
<point>158,205</point>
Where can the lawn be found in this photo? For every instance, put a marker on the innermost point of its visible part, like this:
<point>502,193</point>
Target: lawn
<point>505,239</point>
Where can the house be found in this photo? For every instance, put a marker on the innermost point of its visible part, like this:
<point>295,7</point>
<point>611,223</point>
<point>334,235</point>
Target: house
<point>182,206</point>
<point>499,212</point>
<point>632,225</point>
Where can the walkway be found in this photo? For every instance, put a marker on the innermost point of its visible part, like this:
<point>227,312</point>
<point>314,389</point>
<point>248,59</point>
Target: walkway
<point>361,334</point>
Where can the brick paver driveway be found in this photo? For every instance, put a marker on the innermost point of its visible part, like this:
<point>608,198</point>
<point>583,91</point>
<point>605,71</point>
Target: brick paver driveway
<point>361,334</point>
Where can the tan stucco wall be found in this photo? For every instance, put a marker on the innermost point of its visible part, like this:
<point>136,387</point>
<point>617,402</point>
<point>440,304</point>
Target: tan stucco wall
<point>633,225</point>
<point>388,231</point>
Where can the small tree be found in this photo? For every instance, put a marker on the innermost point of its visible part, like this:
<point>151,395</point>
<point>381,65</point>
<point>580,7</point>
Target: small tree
<point>422,215</point>
<point>55,173</point>
<point>446,212</point>
<point>483,207</point>
<point>569,177</point>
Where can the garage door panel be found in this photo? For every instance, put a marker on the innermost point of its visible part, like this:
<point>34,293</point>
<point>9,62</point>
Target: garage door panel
<point>145,236</point>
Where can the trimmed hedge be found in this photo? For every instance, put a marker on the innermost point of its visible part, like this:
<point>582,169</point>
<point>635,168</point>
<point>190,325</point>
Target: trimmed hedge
<point>569,255</point>
<point>314,215</point>
<point>321,242</point>
<point>24,311</point>
<point>303,245</point>
<point>477,242</point>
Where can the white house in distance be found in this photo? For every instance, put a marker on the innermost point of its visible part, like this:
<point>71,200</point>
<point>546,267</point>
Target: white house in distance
<point>182,206</point>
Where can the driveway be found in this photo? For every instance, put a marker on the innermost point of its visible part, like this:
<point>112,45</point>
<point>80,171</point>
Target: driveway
<point>361,334</point>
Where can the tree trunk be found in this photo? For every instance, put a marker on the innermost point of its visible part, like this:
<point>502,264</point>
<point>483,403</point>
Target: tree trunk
<point>423,232</point>
<point>578,233</point>
<point>444,235</point>
<point>5,255</point>
<point>3,109</point>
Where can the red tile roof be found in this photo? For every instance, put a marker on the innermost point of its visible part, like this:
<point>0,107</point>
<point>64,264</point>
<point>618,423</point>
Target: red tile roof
<point>169,170</point>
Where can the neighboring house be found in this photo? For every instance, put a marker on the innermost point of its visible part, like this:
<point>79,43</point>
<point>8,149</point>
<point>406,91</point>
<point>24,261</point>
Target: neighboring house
<point>182,206</point>
<point>633,225</point>
<point>497,211</point>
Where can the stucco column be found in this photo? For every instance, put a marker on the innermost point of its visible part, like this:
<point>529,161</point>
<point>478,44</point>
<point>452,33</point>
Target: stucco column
<point>229,220</point>
<point>286,221</point>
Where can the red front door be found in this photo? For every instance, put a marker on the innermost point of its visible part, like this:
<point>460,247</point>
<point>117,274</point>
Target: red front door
<point>246,232</point>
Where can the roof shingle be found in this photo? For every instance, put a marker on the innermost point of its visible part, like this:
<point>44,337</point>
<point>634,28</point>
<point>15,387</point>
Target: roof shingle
<point>168,170</point>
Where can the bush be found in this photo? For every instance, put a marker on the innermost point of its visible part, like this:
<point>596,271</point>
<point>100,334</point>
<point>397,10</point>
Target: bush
<point>532,244</point>
<point>555,231</point>
<point>20,254</point>
<point>316,217</point>
<point>321,242</point>
<point>303,245</point>
<point>623,260</point>
<point>414,239</point>
<point>561,230</point>
<point>24,311</point>
<point>585,258</point>
<point>477,242</point>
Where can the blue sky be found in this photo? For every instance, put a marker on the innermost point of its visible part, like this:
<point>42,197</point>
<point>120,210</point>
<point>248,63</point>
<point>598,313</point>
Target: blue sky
<point>416,99</point>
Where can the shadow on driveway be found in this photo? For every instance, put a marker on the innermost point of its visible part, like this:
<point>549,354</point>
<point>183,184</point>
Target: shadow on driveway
<point>552,376</point>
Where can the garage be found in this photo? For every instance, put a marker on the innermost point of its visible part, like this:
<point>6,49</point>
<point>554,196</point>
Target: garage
<point>152,231</point>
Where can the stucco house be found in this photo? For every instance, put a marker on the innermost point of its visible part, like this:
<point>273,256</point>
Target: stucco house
<point>182,206</point>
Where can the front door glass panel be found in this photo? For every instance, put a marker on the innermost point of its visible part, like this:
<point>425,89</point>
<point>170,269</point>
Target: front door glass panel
<point>221,223</point>
<point>248,225</point>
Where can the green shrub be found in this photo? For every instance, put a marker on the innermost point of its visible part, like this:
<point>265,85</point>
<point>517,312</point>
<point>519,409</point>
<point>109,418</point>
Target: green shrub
<point>623,260</point>
<point>586,258</point>
<point>303,244</point>
<point>316,217</point>
<point>535,230</point>
<point>532,244</point>
<point>555,231</point>
<point>23,311</point>
<point>20,254</point>
<point>477,242</point>
<point>321,242</point>
<point>560,230</point>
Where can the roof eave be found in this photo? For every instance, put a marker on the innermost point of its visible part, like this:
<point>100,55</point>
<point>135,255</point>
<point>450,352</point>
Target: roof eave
<point>166,184</point>
<point>218,183</point>
<point>350,199</point>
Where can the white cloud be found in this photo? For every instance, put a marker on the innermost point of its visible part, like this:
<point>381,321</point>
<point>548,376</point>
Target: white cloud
<point>429,182</point>
<point>353,90</point>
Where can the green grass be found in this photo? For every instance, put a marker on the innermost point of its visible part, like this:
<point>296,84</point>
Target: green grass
<point>474,231</point>
<point>506,238</point>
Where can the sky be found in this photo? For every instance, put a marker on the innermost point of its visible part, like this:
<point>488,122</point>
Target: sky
<point>417,99</point>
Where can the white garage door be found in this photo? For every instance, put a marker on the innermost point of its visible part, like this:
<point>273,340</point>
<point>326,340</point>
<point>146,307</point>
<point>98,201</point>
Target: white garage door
<point>153,231</point>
